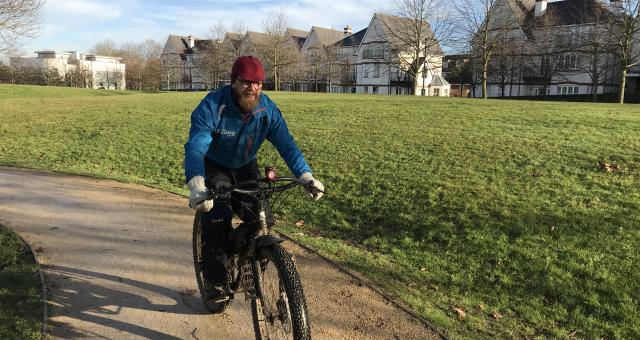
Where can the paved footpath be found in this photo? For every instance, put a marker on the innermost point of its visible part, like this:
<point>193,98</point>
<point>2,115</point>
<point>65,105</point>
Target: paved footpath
<point>117,264</point>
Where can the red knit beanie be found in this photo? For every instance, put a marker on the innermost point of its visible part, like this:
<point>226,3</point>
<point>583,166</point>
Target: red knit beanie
<point>248,68</point>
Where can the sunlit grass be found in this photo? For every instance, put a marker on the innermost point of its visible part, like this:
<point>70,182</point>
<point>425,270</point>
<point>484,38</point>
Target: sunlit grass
<point>498,208</point>
<point>20,298</point>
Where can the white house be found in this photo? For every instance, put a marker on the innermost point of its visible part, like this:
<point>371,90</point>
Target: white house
<point>549,51</point>
<point>380,69</point>
<point>95,71</point>
<point>333,61</point>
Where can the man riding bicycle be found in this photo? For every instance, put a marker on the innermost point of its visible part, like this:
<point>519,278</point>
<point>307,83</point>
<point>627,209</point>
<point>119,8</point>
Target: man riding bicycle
<point>227,129</point>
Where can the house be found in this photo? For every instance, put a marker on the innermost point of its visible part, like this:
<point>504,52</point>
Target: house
<point>183,63</point>
<point>382,61</point>
<point>345,82</point>
<point>320,53</point>
<point>84,70</point>
<point>321,60</point>
<point>551,50</point>
<point>456,69</point>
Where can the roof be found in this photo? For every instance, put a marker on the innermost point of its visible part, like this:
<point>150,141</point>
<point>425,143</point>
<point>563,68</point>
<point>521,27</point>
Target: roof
<point>395,23</point>
<point>438,80</point>
<point>233,36</point>
<point>298,36</point>
<point>179,44</point>
<point>521,9</point>
<point>257,37</point>
<point>327,36</point>
<point>353,39</point>
<point>570,12</point>
<point>297,33</point>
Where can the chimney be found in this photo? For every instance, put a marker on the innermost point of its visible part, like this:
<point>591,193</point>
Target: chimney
<point>190,41</point>
<point>347,30</point>
<point>541,7</point>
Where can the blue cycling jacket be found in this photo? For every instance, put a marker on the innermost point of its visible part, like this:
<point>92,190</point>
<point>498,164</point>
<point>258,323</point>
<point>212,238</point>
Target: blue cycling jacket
<point>221,133</point>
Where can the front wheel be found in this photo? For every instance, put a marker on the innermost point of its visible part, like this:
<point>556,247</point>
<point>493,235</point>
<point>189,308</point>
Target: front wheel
<point>279,309</point>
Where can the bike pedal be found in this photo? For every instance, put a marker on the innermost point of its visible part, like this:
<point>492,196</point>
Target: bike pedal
<point>221,299</point>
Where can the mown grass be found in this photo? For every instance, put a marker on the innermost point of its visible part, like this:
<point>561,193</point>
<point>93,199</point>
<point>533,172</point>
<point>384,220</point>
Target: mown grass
<point>20,298</point>
<point>496,208</point>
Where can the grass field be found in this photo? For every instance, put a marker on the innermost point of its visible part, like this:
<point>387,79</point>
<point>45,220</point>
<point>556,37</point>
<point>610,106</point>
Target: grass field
<point>20,300</point>
<point>490,218</point>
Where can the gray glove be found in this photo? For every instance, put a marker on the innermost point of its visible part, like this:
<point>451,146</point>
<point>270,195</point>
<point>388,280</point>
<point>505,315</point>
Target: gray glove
<point>316,185</point>
<point>197,192</point>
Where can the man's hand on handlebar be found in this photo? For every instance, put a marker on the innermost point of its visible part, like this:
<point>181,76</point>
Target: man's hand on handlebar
<point>314,187</point>
<point>198,193</point>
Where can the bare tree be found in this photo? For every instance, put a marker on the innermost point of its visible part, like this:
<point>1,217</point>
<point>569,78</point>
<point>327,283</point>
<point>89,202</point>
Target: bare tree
<point>416,30</point>
<point>214,62</point>
<point>171,70</point>
<point>152,74</point>
<point>591,42</point>
<point>18,18</point>
<point>106,48</point>
<point>134,60</point>
<point>486,26</point>
<point>549,40</point>
<point>278,51</point>
<point>623,29</point>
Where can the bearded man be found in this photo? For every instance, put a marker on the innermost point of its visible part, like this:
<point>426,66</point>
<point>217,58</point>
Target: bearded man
<point>227,129</point>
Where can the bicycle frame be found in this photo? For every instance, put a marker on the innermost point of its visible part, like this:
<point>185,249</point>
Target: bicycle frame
<point>243,278</point>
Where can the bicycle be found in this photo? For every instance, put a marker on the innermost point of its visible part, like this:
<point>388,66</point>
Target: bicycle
<point>259,266</point>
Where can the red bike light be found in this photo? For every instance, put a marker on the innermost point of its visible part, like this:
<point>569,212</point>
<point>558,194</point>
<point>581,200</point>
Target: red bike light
<point>271,173</point>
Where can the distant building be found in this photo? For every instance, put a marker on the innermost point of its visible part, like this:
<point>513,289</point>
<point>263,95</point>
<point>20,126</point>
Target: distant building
<point>183,62</point>
<point>376,67</point>
<point>550,50</point>
<point>84,70</point>
<point>370,61</point>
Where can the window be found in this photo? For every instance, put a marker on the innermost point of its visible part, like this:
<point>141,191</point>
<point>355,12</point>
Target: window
<point>374,89</point>
<point>376,71</point>
<point>558,89</point>
<point>366,71</point>
<point>569,62</point>
<point>373,52</point>
<point>436,92</point>
<point>353,90</point>
<point>366,89</point>
<point>422,92</point>
<point>568,90</point>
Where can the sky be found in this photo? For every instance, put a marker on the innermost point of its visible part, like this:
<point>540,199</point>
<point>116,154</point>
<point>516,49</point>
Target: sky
<point>77,25</point>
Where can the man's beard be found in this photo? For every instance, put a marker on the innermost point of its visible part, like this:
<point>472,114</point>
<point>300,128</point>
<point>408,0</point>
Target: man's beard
<point>247,104</point>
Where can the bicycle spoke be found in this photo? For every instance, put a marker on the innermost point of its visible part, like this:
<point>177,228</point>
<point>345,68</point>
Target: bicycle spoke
<point>278,319</point>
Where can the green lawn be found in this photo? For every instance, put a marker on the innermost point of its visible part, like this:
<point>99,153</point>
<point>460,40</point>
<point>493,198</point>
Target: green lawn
<point>20,298</point>
<point>498,208</point>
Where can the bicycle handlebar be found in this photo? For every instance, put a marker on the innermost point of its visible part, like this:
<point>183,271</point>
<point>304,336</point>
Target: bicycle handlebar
<point>259,186</point>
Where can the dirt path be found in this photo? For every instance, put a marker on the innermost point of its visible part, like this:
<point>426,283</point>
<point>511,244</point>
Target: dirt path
<point>118,265</point>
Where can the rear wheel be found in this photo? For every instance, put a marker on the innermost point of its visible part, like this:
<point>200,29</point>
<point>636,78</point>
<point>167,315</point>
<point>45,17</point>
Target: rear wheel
<point>279,309</point>
<point>213,307</point>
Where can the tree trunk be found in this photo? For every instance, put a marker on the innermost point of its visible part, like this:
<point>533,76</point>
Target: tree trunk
<point>485,67</point>
<point>623,83</point>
